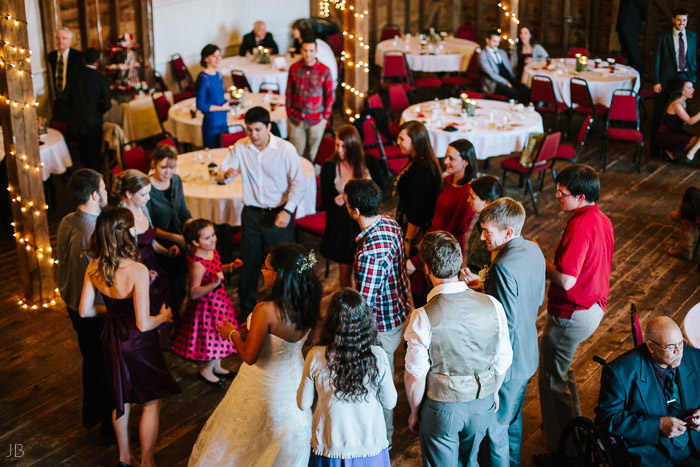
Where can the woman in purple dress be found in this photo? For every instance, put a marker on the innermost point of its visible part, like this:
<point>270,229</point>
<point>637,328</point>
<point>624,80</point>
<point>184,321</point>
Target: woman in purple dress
<point>131,189</point>
<point>672,138</point>
<point>133,359</point>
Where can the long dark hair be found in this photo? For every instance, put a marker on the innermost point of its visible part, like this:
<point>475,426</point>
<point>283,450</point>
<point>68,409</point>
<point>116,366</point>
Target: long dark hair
<point>111,242</point>
<point>422,149</point>
<point>677,87</point>
<point>487,188</point>
<point>519,43</point>
<point>348,334</point>
<point>354,155</point>
<point>297,290</point>
<point>467,153</point>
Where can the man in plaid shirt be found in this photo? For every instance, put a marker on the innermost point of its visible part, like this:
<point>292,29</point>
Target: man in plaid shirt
<point>309,100</point>
<point>380,268</point>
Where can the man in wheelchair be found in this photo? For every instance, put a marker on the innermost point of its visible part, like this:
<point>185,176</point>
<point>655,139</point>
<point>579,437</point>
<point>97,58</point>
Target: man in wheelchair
<point>650,397</point>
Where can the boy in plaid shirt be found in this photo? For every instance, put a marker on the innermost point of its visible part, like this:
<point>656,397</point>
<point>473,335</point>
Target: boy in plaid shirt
<point>379,268</point>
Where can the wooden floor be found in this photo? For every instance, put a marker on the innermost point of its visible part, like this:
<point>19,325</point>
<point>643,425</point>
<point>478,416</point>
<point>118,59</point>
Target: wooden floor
<point>40,389</point>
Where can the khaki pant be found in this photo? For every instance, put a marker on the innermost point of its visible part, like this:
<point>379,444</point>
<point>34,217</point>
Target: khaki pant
<point>390,341</point>
<point>306,140</point>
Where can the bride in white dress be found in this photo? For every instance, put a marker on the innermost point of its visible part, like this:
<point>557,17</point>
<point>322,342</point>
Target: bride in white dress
<point>258,422</point>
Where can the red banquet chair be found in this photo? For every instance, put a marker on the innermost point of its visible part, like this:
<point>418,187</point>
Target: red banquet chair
<point>582,102</point>
<point>374,101</point>
<point>389,31</point>
<point>395,68</point>
<point>162,106</point>
<point>134,158</point>
<point>543,160</point>
<point>624,109</point>
<point>542,94</point>
<point>314,224</point>
<point>398,100</point>
<point>239,79</point>
<point>466,32</point>
<point>181,73</point>
<point>229,139</point>
<point>637,337</point>
<point>336,43</point>
<point>583,51</point>
<point>274,88</point>
<point>569,153</point>
<point>471,77</point>
<point>169,141</point>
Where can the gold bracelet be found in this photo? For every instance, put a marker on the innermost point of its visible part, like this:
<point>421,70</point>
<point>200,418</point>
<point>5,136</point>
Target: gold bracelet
<point>229,335</point>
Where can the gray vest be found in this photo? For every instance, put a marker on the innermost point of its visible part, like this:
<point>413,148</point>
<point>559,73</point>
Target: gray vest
<point>462,348</point>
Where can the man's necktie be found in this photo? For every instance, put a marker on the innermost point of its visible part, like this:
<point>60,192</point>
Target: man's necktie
<point>681,52</point>
<point>675,408</point>
<point>59,74</point>
<point>496,57</point>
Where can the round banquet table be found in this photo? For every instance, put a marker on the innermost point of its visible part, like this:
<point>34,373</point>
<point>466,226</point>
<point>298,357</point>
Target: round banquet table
<point>255,73</point>
<point>691,326</point>
<point>601,82</point>
<point>186,129</point>
<point>513,125</point>
<point>53,153</point>
<point>450,55</point>
<point>223,204</point>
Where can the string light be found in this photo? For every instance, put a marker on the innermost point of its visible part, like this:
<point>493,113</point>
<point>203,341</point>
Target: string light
<point>510,15</point>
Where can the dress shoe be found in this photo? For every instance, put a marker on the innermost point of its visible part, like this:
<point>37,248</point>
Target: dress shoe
<point>547,459</point>
<point>89,422</point>
<point>229,375</point>
<point>218,383</point>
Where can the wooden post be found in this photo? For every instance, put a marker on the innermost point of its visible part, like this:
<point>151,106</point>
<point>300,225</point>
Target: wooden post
<point>50,23</point>
<point>144,35</point>
<point>19,126</point>
<point>356,47</point>
<point>513,28</point>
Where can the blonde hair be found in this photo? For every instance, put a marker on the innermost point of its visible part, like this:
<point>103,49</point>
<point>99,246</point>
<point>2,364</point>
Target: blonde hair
<point>503,213</point>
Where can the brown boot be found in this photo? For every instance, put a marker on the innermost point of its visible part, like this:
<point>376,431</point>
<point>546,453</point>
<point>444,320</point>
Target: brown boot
<point>675,216</point>
<point>685,248</point>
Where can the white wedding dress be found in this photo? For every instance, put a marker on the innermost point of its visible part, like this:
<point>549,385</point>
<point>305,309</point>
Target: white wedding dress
<point>258,422</point>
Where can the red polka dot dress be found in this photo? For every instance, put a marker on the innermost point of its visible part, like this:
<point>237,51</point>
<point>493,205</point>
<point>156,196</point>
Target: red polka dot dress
<point>195,334</point>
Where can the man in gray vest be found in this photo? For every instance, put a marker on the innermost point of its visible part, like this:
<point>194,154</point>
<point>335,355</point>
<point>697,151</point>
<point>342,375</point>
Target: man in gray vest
<point>516,278</point>
<point>458,354</point>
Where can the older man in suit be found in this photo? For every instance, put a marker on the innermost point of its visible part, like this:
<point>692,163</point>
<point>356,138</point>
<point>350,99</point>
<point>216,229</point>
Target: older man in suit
<point>498,76</point>
<point>258,37</point>
<point>676,60</point>
<point>630,22</point>
<point>650,397</point>
<point>63,63</point>
<point>516,278</point>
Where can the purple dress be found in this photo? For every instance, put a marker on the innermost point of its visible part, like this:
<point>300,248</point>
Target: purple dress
<point>671,135</point>
<point>159,291</point>
<point>133,359</point>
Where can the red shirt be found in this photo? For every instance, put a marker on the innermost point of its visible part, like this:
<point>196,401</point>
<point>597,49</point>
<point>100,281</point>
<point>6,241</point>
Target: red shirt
<point>585,252</point>
<point>309,93</point>
<point>453,212</point>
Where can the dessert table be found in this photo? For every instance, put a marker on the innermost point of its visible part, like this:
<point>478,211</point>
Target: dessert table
<point>54,153</point>
<point>450,55</point>
<point>497,128</point>
<point>256,73</point>
<point>601,82</point>
<point>188,129</point>
<point>224,203</point>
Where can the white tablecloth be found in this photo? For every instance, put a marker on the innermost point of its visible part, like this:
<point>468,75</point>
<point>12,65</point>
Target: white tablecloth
<point>451,54</point>
<point>487,141</point>
<point>255,73</point>
<point>601,82</point>
<point>691,326</point>
<point>138,117</point>
<point>186,129</point>
<point>224,203</point>
<point>53,153</point>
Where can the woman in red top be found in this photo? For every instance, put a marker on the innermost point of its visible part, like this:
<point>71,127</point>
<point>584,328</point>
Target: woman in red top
<point>452,210</point>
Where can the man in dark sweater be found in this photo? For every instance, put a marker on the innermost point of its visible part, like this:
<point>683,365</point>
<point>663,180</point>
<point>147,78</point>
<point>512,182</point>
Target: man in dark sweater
<point>258,37</point>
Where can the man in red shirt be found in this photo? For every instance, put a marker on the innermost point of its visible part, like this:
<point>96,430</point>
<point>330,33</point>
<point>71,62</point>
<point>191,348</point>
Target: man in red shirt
<point>580,283</point>
<point>309,100</point>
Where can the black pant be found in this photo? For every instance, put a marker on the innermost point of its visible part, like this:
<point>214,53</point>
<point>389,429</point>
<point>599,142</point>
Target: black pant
<point>90,148</point>
<point>519,91</point>
<point>97,404</point>
<point>258,236</point>
<point>629,43</point>
<point>690,208</point>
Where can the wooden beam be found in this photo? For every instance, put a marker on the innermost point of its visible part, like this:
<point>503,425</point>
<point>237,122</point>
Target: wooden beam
<point>407,16</point>
<point>83,24</point>
<point>480,30</point>
<point>21,145</point>
<point>144,35</point>
<point>456,14</point>
<point>355,76</point>
<point>50,23</point>
<point>114,15</point>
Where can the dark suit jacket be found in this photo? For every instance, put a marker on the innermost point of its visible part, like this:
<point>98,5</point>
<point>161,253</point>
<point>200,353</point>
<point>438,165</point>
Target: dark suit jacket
<point>87,98</point>
<point>631,15</point>
<point>249,44</point>
<point>517,280</point>
<point>665,64</point>
<point>631,403</point>
<point>75,62</point>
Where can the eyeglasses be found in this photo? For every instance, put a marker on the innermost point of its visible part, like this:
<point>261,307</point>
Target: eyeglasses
<point>671,348</point>
<point>561,194</point>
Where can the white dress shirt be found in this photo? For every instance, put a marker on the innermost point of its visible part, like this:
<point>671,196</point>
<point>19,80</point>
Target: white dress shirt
<point>419,334</point>
<point>676,33</point>
<point>272,177</point>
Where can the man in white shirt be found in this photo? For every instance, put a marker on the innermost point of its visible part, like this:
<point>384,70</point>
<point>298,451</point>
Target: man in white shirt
<point>457,357</point>
<point>273,186</point>
<point>63,63</point>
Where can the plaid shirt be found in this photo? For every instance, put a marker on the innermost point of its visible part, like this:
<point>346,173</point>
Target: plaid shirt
<point>380,272</point>
<point>309,93</point>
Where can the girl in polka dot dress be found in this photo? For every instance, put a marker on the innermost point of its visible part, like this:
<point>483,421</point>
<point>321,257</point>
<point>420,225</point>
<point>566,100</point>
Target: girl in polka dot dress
<point>195,335</point>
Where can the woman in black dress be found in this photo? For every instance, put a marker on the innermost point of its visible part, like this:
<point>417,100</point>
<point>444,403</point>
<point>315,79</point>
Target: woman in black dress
<point>672,138</point>
<point>348,162</point>
<point>134,362</point>
<point>419,183</point>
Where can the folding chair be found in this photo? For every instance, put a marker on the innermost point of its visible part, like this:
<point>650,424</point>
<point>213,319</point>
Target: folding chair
<point>181,73</point>
<point>314,224</point>
<point>542,94</point>
<point>569,153</point>
<point>583,51</point>
<point>467,32</point>
<point>239,79</point>
<point>624,109</point>
<point>582,102</point>
<point>135,157</point>
<point>395,68</point>
<point>162,106</point>
<point>471,77</point>
<point>389,31</point>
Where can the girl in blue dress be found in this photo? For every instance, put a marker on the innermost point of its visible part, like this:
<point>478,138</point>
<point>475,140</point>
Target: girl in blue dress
<point>211,100</point>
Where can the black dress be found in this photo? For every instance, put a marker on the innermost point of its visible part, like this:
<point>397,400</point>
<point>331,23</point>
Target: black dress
<point>418,188</point>
<point>133,359</point>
